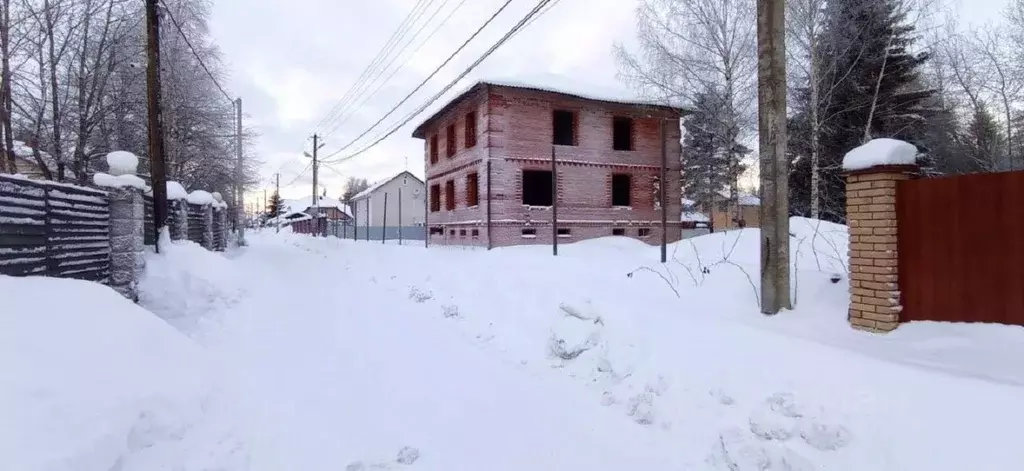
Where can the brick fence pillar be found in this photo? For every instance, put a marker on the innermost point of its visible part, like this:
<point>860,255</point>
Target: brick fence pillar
<point>874,274</point>
<point>208,227</point>
<point>127,256</point>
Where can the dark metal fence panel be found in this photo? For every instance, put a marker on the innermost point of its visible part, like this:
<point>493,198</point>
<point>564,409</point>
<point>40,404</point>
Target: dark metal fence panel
<point>78,233</point>
<point>218,231</point>
<point>195,223</point>
<point>22,227</point>
<point>148,236</point>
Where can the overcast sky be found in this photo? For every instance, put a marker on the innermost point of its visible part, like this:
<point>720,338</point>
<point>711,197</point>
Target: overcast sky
<point>292,61</point>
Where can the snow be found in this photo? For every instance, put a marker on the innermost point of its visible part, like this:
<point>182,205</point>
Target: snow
<point>883,151</point>
<point>175,191</point>
<point>694,216</point>
<point>119,181</point>
<point>201,197</point>
<point>121,162</point>
<point>433,359</point>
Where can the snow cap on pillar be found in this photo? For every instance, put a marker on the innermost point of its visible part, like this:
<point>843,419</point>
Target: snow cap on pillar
<point>120,162</point>
<point>880,152</point>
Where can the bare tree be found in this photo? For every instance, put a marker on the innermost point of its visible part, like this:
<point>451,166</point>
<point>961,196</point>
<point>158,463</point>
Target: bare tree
<point>7,163</point>
<point>693,47</point>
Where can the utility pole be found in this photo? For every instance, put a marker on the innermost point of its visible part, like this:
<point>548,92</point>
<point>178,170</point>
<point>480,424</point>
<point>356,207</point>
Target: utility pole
<point>316,197</point>
<point>771,118</point>
<point>155,124</point>
<point>277,209</point>
<point>239,186</point>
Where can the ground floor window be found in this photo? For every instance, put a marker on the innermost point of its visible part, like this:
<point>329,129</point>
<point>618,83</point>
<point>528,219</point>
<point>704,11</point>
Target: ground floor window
<point>537,188</point>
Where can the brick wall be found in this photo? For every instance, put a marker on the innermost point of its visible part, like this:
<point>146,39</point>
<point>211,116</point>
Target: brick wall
<point>514,129</point>
<point>874,276</point>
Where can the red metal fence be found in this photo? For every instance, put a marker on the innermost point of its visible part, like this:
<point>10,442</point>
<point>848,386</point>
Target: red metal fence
<point>961,248</point>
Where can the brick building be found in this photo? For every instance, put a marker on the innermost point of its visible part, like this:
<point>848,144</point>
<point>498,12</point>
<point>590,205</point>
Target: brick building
<point>489,155</point>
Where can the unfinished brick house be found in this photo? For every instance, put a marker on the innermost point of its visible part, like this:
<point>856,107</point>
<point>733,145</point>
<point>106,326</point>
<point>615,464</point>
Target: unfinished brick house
<point>498,153</point>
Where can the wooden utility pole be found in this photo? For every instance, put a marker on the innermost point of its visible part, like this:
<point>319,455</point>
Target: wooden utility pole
<point>771,122</point>
<point>316,174</point>
<point>239,184</point>
<point>157,166</point>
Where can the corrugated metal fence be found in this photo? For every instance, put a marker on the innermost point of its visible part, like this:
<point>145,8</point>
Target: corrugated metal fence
<point>54,229</point>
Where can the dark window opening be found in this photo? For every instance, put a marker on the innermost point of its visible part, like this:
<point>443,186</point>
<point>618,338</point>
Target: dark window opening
<point>436,231</point>
<point>449,195</point>
<point>619,231</point>
<point>537,188</point>
<point>452,232</point>
<point>449,141</point>
<point>435,198</point>
<point>433,149</point>
<point>564,232</point>
<point>462,233</point>
<point>470,129</point>
<point>476,232</point>
<point>643,231</point>
<point>622,133</point>
<point>529,232</point>
<point>564,127</point>
<point>472,189</point>
<point>620,189</point>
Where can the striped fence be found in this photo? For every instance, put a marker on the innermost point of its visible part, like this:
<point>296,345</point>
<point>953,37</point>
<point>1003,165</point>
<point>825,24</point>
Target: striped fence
<point>53,229</point>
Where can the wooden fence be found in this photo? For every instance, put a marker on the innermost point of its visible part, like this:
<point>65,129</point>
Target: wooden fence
<point>961,248</point>
<point>196,222</point>
<point>53,229</point>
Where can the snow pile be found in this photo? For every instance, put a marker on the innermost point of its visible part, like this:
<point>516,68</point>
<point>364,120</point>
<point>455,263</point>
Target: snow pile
<point>201,197</point>
<point>883,151</point>
<point>119,181</point>
<point>121,162</point>
<point>679,351</point>
<point>90,381</point>
<point>694,216</point>
<point>175,191</point>
<point>189,286</point>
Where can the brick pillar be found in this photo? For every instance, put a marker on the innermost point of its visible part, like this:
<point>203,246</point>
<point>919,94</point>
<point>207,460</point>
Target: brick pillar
<point>178,219</point>
<point>127,257</point>
<point>208,227</point>
<point>874,275</point>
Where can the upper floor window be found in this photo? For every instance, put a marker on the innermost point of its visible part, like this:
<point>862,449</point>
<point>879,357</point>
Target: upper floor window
<point>564,127</point>
<point>450,140</point>
<point>622,133</point>
<point>433,149</point>
<point>435,198</point>
<point>470,129</point>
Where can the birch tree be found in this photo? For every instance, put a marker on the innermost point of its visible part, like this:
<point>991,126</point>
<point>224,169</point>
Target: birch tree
<point>691,47</point>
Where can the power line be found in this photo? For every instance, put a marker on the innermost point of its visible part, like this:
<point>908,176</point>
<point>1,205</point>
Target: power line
<point>386,49</point>
<point>368,96</point>
<point>195,53</point>
<point>515,29</point>
<point>303,172</point>
<point>432,74</point>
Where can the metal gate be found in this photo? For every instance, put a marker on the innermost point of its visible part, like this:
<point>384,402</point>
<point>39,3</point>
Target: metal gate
<point>961,248</point>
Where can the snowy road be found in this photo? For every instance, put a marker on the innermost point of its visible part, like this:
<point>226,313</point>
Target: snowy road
<point>340,372</point>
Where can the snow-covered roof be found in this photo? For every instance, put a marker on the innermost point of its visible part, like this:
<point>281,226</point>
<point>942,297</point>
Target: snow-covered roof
<point>694,216</point>
<point>745,199</point>
<point>290,217</point>
<point>575,87</point>
<point>301,204</point>
<point>374,187</point>
<point>882,151</point>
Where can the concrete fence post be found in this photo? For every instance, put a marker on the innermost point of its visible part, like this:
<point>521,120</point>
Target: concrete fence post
<point>208,243</point>
<point>874,256</point>
<point>178,223</point>
<point>127,256</point>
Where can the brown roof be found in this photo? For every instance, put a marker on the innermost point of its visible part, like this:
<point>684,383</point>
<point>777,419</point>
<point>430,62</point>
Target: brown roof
<point>420,131</point>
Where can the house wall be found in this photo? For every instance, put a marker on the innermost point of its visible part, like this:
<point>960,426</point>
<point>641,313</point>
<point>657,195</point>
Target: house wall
<point>412,201</point>
<point>723,219</point>
<point>515,133</point>
<point>520,138</point>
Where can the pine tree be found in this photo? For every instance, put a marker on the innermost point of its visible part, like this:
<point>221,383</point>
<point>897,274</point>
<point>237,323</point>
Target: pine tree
<point>275,206</point>
<point>711,163</point>
<point>875,87</point>
<point>983,142</point>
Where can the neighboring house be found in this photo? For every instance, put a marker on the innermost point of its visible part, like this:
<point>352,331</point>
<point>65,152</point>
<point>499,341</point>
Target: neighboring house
<point>331,208</point>
<point>489,167</point>
<point>25,162</point>
<point>726,214</point>
<point>405,196</point>
<point>289,218</point>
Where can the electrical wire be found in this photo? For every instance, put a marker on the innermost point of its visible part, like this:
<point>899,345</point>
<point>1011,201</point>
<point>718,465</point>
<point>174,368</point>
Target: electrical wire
<point>297,177</point>
<point>515,29</point>
<point>369,96</point>
<point>195,53</point>
<point>384,51</point>
<point>432,74</point>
